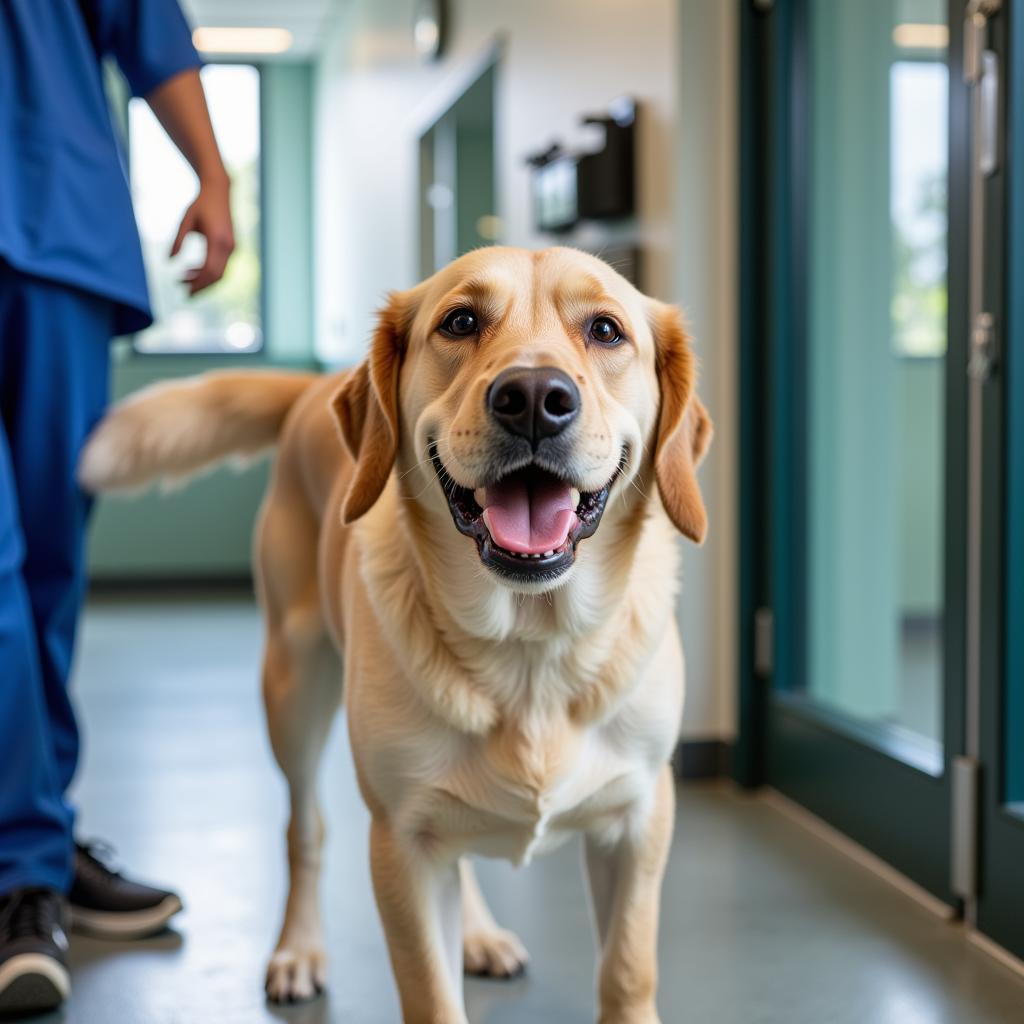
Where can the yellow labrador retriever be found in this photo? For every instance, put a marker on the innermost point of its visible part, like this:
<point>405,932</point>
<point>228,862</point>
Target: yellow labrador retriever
<point>492,553</point>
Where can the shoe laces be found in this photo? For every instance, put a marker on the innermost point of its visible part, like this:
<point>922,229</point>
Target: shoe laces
<point>29,913</point>
<point>99,855</point>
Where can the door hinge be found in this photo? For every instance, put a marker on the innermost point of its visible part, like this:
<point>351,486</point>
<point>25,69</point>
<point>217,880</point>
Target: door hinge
<point>976,18</point>
<point>764,642</point>
<point>981,361</point>
<point>964,840</point>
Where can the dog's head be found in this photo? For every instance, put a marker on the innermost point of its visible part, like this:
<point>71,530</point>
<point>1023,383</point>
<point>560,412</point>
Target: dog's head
<point>533,387</point>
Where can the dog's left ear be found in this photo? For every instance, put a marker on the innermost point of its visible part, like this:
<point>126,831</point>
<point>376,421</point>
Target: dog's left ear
<point>684,426</point>
<point>366,408</point>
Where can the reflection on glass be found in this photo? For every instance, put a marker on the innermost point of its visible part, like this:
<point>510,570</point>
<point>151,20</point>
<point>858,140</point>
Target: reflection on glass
<point>876,347</point>
<point>226,317</point>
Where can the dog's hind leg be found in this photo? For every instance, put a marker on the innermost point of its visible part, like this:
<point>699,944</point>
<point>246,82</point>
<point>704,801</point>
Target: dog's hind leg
<point>487,950</point>
<point>301,691</point>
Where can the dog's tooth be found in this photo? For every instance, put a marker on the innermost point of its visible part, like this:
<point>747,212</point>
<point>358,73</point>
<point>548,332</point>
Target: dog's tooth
<point>535,556</point>
<point>574,497</point>
<point>548,554</point>
<point>479,495</point>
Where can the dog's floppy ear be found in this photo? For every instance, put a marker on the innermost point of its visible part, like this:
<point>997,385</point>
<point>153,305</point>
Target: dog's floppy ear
<point>684,426</point>
<point>366,408</point>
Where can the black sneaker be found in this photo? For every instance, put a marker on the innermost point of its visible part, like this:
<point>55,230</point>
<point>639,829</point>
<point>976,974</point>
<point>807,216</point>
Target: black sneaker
<point>33,951</point>
<point>106,904</point>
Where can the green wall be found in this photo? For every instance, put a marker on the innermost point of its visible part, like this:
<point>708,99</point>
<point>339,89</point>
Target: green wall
<point>204,531</point>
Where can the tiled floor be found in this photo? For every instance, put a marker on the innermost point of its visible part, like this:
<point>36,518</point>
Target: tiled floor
<point>762,922</point>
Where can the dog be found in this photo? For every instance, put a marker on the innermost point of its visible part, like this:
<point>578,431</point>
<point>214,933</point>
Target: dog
<point>489,548</point>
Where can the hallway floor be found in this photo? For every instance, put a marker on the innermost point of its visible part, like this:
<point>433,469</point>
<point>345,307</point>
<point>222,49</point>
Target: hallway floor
<point>762,921</point>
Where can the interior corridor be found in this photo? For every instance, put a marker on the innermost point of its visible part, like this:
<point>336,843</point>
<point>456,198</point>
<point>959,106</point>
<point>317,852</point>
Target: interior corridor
<point>763,921</point>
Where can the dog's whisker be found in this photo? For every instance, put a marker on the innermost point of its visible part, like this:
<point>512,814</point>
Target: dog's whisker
<point>412,469</point>
<point>423,490</point>
<point>639,490</point>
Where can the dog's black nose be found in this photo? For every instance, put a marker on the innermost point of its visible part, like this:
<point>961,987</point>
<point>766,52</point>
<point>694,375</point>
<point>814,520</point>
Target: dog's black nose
<point>533,402</point>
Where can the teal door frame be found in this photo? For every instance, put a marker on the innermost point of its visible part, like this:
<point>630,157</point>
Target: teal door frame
<point>860,785</point>
<point>756,97</point>
<point>998,911</point>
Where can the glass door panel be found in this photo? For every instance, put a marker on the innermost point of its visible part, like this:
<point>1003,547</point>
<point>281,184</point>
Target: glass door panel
<point>875,371</point>
<point>862,710</point>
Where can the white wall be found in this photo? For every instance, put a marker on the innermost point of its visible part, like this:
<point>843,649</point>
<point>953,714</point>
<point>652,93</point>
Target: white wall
<point>560,60</point>
<point>705,284</point>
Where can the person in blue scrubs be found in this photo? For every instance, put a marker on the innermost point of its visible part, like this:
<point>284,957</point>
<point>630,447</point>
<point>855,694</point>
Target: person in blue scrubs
<point>71,278</point>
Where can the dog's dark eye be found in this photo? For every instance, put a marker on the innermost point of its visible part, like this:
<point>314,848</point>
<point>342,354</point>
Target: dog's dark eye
<point>460,323</point>
<point>605,331</point>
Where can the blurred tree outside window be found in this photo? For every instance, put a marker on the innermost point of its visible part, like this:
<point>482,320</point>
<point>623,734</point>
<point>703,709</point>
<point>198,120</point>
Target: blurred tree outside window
<point>918,204</point>
<point>228,316</point>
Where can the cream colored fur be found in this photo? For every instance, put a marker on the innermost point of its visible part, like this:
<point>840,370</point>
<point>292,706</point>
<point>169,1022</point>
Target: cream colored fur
<point>485,718</point>
<point>176,429</point>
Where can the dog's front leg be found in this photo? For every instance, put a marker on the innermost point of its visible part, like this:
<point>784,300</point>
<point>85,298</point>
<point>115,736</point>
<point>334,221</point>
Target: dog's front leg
<point>625,884</point>
<point>419,902</point>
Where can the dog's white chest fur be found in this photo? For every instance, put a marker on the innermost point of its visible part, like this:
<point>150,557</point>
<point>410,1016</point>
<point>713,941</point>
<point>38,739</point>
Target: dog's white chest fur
<point>520,793</point>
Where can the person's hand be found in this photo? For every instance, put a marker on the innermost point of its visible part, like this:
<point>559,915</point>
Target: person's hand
<point>210,216</point>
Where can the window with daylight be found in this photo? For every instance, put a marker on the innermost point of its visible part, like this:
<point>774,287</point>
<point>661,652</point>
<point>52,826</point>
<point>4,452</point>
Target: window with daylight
<point>919,104</point>
<point>228,316</point>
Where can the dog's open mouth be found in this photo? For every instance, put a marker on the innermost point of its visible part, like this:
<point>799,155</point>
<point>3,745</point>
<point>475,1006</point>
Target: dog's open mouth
<point>526,524</point>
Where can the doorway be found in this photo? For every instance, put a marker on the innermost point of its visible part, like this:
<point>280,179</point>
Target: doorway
<point>881,426</point>
<point>457,193</point>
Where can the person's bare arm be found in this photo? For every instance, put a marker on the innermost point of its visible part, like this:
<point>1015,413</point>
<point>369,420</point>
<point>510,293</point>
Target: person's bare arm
<point>180,106</point>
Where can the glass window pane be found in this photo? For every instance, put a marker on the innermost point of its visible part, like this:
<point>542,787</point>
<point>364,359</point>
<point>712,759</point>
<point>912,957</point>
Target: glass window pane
<point>876,367</point>
<point>227,316</point>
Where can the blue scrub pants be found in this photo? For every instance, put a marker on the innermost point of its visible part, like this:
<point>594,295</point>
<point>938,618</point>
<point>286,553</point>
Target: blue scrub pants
<point>54,351</point>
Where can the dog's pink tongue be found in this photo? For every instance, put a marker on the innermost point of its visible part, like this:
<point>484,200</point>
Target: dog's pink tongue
<point>528,514</point>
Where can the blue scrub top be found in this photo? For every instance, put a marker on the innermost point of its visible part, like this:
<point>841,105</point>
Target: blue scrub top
<point>65,208</point>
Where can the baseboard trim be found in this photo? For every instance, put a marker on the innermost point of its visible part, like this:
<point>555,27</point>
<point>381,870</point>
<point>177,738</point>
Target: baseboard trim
<point>854,851</point>
<point>702,759</point>
<point>997,952</point>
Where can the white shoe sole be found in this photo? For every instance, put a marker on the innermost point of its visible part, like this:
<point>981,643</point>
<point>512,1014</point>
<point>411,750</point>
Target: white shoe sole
<point>136,924</point>
<point>32,983</point>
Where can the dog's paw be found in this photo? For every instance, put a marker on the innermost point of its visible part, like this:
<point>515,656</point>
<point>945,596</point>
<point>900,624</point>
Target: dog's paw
<point>494,953</point>
<point>295,974</point>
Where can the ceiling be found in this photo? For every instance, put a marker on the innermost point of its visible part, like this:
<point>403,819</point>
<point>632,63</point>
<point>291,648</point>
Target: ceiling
<point>305,19</point>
